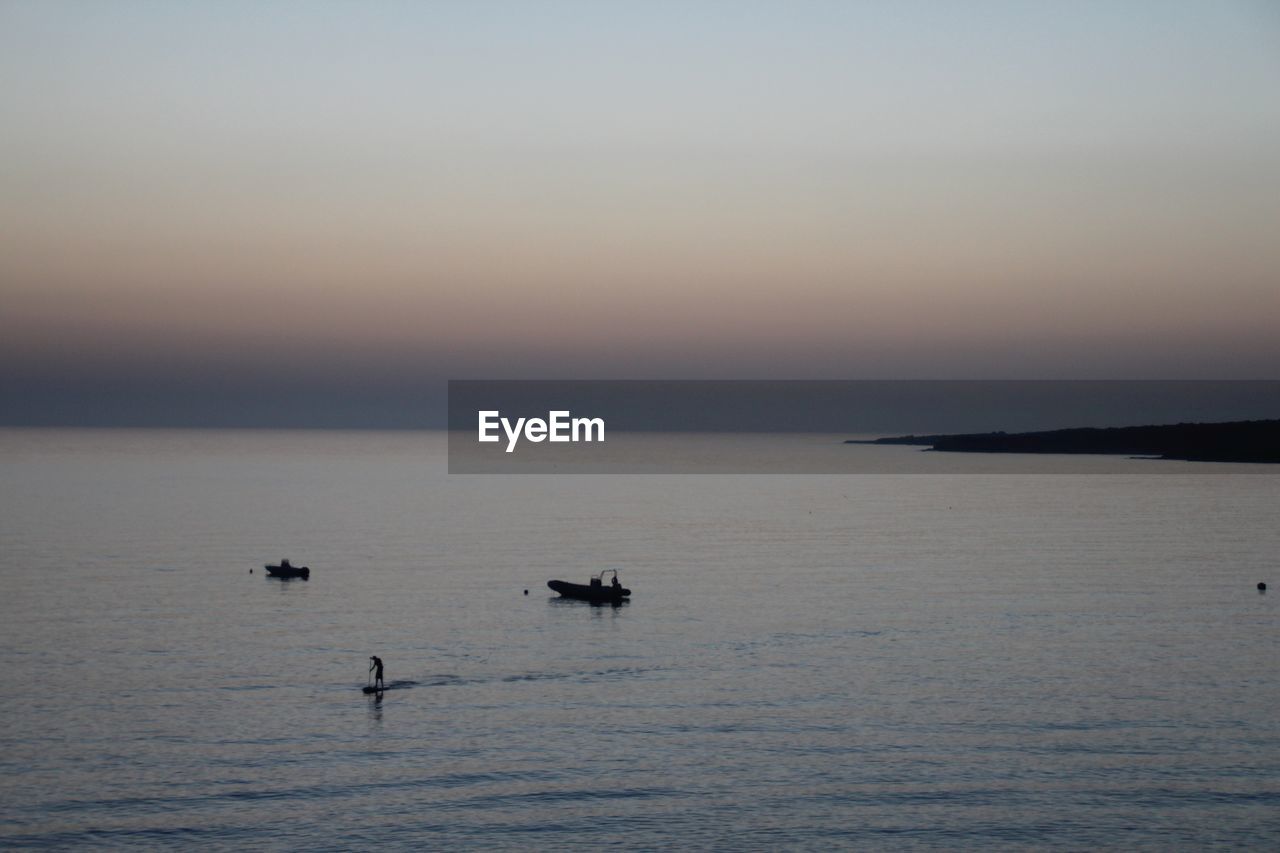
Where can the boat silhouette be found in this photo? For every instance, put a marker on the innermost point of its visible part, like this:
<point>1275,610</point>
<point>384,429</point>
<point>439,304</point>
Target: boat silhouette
<point>595,591</point>
<point>287,570</point>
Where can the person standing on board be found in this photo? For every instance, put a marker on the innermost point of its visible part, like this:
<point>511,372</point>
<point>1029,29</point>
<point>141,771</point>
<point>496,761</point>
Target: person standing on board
<point>377,665</point>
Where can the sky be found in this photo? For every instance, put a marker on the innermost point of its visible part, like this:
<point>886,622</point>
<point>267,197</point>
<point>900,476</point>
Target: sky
<point>224,210</point>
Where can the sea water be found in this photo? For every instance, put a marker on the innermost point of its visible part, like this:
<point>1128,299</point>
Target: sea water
<point>864,661</point>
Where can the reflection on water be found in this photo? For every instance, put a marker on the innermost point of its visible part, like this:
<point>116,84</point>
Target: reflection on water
<point>1007,661</point>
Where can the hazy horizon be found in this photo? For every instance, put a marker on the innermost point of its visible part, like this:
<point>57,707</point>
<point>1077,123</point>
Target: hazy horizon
<point>313,208</point>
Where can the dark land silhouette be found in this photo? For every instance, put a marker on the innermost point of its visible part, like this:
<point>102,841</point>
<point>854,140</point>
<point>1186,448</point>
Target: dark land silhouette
<point>1235,441</point>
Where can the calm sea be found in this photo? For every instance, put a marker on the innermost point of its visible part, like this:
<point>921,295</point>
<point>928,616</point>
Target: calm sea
<point>979,661</point>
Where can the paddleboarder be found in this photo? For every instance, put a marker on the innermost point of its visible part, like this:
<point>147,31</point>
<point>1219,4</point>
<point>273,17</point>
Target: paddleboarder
<point>377,665</point>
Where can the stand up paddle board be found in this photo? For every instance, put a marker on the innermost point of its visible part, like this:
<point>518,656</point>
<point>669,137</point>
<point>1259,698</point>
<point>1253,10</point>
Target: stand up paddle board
<point>394,685</point>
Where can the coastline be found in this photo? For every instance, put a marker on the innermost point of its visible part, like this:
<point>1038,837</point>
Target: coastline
<point>1233,441</point>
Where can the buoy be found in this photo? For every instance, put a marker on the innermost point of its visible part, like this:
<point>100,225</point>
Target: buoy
<point>251,571</point>
<point>526,592</point>
<point>1262,587</point>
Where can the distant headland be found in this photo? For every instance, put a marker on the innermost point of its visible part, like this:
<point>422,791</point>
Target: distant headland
<point>1235,441</point>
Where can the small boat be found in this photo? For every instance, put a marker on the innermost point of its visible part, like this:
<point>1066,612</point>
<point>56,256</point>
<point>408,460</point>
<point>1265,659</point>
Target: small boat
<point>596,591</point>
<point>286,570</point>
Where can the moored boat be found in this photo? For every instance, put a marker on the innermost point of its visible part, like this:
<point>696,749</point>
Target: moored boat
<point>287,570</point>
<point>596,592</point>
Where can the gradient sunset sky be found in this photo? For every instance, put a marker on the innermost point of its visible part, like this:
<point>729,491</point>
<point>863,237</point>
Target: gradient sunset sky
<point>250,198</point>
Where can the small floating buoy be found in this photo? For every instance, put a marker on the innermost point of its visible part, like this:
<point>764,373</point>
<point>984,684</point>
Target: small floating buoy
<point>251,571</point>
<point>526,592</point>
<point>1262,587</point>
